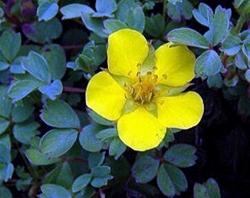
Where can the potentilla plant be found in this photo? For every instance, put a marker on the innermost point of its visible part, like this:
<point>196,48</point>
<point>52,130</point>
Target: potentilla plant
<point>106,98</point>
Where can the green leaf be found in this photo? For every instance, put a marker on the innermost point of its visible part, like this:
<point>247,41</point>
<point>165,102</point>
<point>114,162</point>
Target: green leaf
<point>182,155</point>
<point>149,5</point>
<point>37,66</point>
<point>5,140</point>
<point>91,57</point>
<point>105,8</point>
<point>245,36</point>
<point>174,1</point>
<point>123,9</point>
<point>106,134</point>
<point>246,50</point>
<point>57,142</point>
<point>178,178</point>
<point>4,77</point>
<point>16,66</point>
<point>5,156</point>
<point>98,119</point>
<point>203,14</point>
<point>231,45</point>
<point>112,25</point>
<point>220,21</point>
<point>24,132</point>
<point>93,24</point>
<point>3,66</point>
<point>6,171</point>
<point>243,7</point>
<point>55,191</point>
<point>145,169</point>
<point>96,159</point>
<point>59,114</point>
<point>25,179</point>
<point>208,63</point>
<point>61,175</point>
<point>37,158</point>
<point>240,61</point>
<point>52,90</point>
<point>75,10</point>
<point>81,182</point>
<point>213,188</point>
<point>47,11</point>
<point>210,189</point>
<point>180,10</point>
<point>117,148</point>
<point>5,192</point>
<point>56,60</point>
<point>101,176</point>
<point>169,137</point>
<point>4,124</point>
<point>100,171</point>
<point>188,37</point>
<point>1,12</point>
<point>136,18</point>
<point>155,25</point>
<point>35,31</point>
<point>21,88</point>
<point>21,111</point>
<point>5,102</point>
<point>88,139</point>
<point>247,75</point>
<point>200,191</point>
<point>215,81</point>
<point>10,43</point>
<point>87,192</point>
<point>164,182</point>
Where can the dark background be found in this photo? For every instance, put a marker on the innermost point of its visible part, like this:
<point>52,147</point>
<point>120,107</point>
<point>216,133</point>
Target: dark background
<point>222,139</point>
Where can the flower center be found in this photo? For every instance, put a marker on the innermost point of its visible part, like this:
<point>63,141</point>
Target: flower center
<point>142,91</point>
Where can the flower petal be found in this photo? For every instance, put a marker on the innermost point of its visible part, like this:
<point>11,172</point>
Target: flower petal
<point>127,49</point>
<point>105,96</point>
<point>182,111</point>
<point>140,130</point>
<point>175,65</point>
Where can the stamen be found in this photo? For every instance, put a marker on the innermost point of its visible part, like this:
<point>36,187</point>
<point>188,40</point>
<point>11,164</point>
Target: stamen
<point>143,90</point>
<point>130,72</point>
<point>164,76</point>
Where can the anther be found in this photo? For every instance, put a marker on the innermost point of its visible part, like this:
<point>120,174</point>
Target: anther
<point>164,76</point>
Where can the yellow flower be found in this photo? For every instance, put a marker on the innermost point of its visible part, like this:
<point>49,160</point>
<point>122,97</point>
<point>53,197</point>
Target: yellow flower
<point>137,89</point>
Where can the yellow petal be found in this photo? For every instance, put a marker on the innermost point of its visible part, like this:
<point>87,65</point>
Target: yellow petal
<point>127,49</point>
<point>140,130</point>
<point>175,65</point>
<point>105,96</point>
<point>182,111</point>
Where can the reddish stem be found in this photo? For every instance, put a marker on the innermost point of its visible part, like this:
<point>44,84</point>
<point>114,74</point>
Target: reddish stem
<point>73,90</point>
<point>76,160</point>
<point>69,47</point>
<point>224,60</point>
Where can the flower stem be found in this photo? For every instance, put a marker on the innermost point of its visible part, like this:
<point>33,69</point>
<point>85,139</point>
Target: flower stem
<point>240,22</point>
<point>164,8</point>
<point>73,90</point>
<point>70,47</point>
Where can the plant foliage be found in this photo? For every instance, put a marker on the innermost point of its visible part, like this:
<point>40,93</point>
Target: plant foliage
<point>51,146</point>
